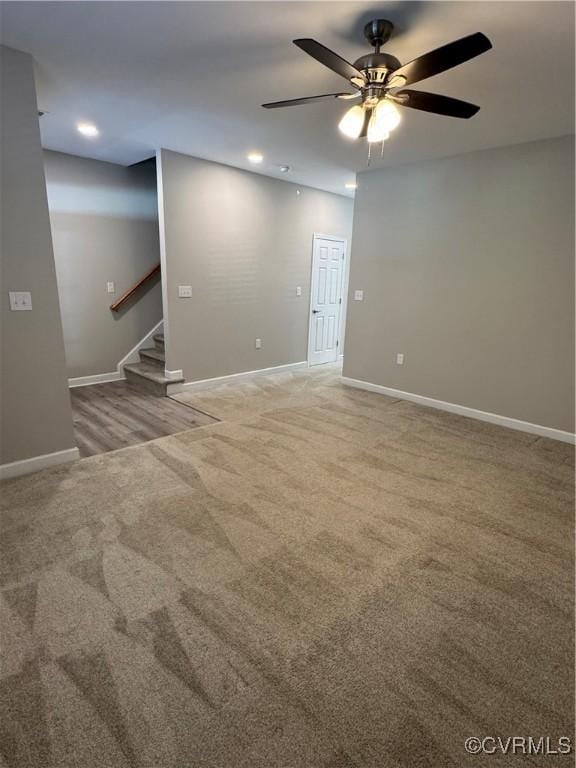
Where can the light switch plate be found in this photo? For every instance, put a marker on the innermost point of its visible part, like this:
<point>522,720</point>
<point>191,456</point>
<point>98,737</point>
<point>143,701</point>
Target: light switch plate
<point>20,300</point>
<point>110,287</point>
<point>184,291</point>
<point>299,290</point>
<point>258,344</point>
<point>358,295</point>
<point>400,358</point>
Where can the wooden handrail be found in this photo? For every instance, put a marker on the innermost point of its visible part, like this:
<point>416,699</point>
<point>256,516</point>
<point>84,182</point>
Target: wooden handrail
<point>125,296</point>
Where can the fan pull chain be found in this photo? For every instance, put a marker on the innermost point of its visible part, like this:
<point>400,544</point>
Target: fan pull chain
<point>370,151</point>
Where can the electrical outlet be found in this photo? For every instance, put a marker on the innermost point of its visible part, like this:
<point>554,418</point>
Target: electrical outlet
<point>184,291</point>
<point>20,300</point>
<point>299,290</point>
<point>400,358</point>
<point>258,343</point>
<point>358,295</point>
<point>110,287</point>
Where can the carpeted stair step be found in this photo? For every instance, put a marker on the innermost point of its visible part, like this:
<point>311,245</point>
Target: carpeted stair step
<point>159,341</point>
<point>149,377</point>
<point>153,356</point>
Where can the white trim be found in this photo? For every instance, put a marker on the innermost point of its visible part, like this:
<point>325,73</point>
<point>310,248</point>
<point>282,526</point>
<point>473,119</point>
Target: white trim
<point>173,374</point>
<point>117,375</point>
<point>36,463</point>
<point>343,290</point>
<point>133,356</point>
<point>206,383</point>
<point>463,410</point>
<point>337,238</point>
<point>97,378</point>
<point>163,249</point>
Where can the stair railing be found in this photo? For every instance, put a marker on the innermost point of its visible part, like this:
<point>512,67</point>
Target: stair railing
<point>131,291</point>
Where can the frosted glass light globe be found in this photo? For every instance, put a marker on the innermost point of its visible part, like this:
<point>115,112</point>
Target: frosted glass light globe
<point>376,130</point>
<point>352,122</point>
<point>387,114</point>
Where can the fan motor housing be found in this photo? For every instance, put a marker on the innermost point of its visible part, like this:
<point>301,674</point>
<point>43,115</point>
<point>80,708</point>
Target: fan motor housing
<point>377,65</point>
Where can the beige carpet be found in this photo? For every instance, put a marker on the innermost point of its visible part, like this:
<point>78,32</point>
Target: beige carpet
<point>328,578</point>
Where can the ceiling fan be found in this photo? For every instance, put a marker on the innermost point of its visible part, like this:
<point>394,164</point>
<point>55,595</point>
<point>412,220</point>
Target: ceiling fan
<point>379,80</point>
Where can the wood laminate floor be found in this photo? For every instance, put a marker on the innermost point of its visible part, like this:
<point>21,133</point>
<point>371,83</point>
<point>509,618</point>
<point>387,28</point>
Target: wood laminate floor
<point>116,415</point>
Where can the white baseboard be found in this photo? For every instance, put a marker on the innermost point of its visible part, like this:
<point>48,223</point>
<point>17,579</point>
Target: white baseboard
<point>118,374</point>
<point>98,378</point>
<point>133,356</point>
<point>205,383</point>
<point>173,374</point>
<point>462,410</point>
<point>36,463</point>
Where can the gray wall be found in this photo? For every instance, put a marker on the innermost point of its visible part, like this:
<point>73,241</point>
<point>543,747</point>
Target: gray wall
<point>105,228</point>
<point>35,405</point>
<point>467,264</point>
<point>244,243</point>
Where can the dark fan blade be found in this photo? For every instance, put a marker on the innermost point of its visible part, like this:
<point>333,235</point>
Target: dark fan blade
<point>444,58</point>
<point>305,100</point>
<point>441,105</point>
<point>364,131</point>
<point>329,58</point>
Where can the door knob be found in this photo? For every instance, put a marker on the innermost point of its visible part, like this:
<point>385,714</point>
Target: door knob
<point>315,311</point>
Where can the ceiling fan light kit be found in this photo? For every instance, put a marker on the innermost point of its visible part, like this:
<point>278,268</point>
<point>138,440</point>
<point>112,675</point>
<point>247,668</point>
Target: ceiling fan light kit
<point>379,80</point>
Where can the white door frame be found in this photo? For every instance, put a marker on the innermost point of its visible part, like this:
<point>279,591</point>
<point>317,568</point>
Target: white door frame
<point>339,239</point>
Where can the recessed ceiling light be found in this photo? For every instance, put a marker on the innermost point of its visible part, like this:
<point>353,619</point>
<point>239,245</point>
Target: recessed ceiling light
<point>351,185</point>
<point>284,168</point>
<point>87,129</point>
<point>255,157</point>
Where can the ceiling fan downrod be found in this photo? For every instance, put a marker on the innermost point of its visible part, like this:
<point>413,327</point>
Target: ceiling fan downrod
<point>378,32</point>
<point>376,66</point>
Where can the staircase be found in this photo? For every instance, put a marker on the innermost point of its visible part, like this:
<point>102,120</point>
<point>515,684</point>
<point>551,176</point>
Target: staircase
<point>148,374</point>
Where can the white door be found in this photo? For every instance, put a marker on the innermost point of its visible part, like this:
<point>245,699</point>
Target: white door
<point>326,300</point>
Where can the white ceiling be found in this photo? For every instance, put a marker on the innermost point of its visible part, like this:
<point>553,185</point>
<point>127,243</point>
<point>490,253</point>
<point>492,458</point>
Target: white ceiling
<point>191,76</point>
